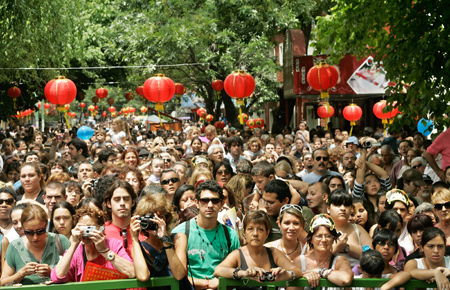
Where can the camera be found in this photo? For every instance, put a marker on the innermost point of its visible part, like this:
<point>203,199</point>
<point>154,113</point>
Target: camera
<point>368,144</point>
<point>87,230</point>
<point>267,277</point>
<point>94,183</point>
<point>147,224</point>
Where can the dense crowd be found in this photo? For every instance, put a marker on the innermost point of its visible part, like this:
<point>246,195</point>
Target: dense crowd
<point>240,204</point>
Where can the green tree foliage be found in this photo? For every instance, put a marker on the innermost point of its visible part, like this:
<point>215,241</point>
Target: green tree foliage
<point>411,38</point>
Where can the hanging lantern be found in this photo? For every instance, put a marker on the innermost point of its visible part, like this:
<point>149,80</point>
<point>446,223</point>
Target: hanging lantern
<point>219,125</point>
<point>243,118</point>
<point>139,91</point>
<point>110,101</point>
<point>132,110</point>
<point>104,114</point>
<point>143,109</point>
<point>352,113</point>
<point>67,107</point>
<point>325,112</point>
<point>95,100</point>
<point>251,123</point>
<point>113,114</point>
<point>14,93</point>
<point>259,123</point>
<point>112,109</point>
<point>86,114</point>
<point>91,108</point>
<point>201,112</point>
<point>129,96</point>
<point>217,86</point>
<point>239,85</point>
<point>322,77</point>
<point>101,93</point>
<point>60,91</point>
<point>82,105</point>
<point>209,118</point>
<point>386,117</point>
<point>179,91</point>
<point>159,89</point>
<point>96,107</point>
<point>46,106</point>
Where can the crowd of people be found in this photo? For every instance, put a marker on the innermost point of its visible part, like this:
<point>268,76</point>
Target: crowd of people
<point>240,204</point>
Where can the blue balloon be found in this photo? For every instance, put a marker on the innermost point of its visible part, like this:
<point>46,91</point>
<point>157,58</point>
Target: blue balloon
<point>425,126</point>
<point>85,132</point>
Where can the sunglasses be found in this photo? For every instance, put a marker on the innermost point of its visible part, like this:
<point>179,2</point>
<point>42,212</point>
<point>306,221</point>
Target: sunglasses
<point>38,232</point>
<point>439,206</point>
<point>8,201</point>
<point>223,172</point>
<point>287,206</point>
<point>318,158</point>
<point>167,160</point>
<point>167,181</point>
<point>417,166</point>
<point>208,200</point>
<point>384,243</point>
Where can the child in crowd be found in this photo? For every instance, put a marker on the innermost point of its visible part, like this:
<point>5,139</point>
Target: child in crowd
<point>157,168</point>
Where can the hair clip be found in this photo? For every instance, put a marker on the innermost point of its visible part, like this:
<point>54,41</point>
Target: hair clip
<point>365,248</point>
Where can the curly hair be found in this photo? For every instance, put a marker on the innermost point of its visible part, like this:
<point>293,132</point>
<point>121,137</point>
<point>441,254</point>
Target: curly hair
<point>92,212</point>
<point>156,204</point>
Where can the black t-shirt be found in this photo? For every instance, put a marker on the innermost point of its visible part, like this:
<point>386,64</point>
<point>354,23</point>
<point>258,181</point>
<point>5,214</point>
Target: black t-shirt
<point>39,198</point>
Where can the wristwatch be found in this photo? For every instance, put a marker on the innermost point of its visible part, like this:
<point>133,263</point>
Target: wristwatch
<point>110,256</point>
<point>235,273</point>
<point>347,249</point>
<point>166,239</point>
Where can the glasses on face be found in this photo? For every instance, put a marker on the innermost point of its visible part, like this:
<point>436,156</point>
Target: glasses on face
<point>268,203</point>
<point>8,201</point>
<point>417,166</point>
<point>208,200</point>
<point>223,172</point>
<point>439,206</point>
<point>321,237</point>
<point>167,160</point>
<point>324,158</point>
<point>167,181</point>
<point>38,232</point>
<point>384,243</point>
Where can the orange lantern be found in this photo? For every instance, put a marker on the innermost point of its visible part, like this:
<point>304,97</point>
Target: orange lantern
<point>243,118</point>
<point>325,112</point>
<point>132,110</point>
<point>14,93</point>
<point>352,113</point>
<point>322,77</point>
<point>209,118</point>
<point>143,109</point>
<point>159,89</point>
<point>129,96</point>
<point>112,109</point>
<point>101,93</point>
<point>60,91</point>
<point>139,91</point>
<point>67,107</point>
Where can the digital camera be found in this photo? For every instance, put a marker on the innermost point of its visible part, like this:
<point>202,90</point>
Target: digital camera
<point>267,277</point>
<point>147,224</point>
<point>87,230</point>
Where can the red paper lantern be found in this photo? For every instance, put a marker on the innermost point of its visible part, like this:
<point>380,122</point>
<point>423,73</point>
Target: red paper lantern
<point>251,123</point>
<point>139,91</point>
<point>378,110</point>
<point>179,89</point>
<point>217,85</point>
<point>159,89</point>
<point>129,96</point>
<point>96,107</point>
<point>322,77</point>
<point>14,93</point>
<point>132,109</point>
<point>352,113</point>
<point>60,91</point>
<point>91,108</point>
<point>112,109</point>
<point>67,107</point>
<point>325,112</point>
<point>104,114</point>
<point>209,118</point>
<point>239,85</point>
<point>201,112</point>
<point>114,114</point>
<point>86,114</point>
<point>143,109</point>
<point>259,123</point>
<point>219,125</point>
<point>243,118</point>
<point>95,100</point>
<point>101,93</point>
<point>82,105</point>
<point>46,106</point>
<point>110,101</point>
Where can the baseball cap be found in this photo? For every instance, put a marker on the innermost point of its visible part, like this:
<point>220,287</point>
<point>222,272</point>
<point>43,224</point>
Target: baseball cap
<point>352,139</point>
<point>427,178</point>
<point>413,175</point>
<point>200,159</point>
<point>397,195</point>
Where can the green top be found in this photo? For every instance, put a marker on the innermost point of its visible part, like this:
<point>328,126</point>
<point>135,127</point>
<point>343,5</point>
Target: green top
<point>17,256</point>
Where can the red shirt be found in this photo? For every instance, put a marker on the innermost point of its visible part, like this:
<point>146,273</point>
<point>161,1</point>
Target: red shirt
<point>114,232</point>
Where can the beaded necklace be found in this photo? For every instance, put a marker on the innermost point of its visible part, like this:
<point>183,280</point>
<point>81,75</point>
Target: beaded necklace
<point>207,241</point>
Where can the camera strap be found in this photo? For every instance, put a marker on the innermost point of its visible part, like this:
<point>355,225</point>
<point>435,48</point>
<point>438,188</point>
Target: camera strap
<point>149,259</point>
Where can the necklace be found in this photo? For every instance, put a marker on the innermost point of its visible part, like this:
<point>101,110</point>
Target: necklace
<point>325,262</point>
<point>208,241</point>
<point>287,254</point>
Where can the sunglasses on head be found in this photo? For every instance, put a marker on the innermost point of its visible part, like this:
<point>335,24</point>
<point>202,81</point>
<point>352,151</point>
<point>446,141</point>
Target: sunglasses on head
<point>439,206</point>
<point>207,200</point>
<point>8,201</point>
<point>167,181</point>
<point>38,232</point>
<point>321,157</point>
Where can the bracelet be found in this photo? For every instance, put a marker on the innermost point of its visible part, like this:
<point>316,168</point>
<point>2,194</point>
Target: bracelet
<point>292,276</point>
<point>207,282</point>
<point>107,250</point>
<point>328,273</point>
<point>235,273</point>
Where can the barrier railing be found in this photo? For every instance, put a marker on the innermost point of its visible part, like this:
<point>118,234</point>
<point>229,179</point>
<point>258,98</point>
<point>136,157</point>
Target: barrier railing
<point>302,282</point>
<point>106,284</point>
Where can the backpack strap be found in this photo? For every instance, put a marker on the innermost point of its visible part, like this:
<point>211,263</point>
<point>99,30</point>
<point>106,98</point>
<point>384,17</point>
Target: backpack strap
<point>227,236</point>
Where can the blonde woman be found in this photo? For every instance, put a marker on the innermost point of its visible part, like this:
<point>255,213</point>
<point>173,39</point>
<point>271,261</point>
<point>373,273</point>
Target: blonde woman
<point>200,174</point>
<point>254,150</point>
<point>119,131</point>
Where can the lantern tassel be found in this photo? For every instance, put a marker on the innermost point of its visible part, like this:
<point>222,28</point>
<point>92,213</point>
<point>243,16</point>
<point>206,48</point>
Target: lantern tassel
<point>218,95</point>
<point>159,107</point>
<point>14,101</point>
<point>352,123</point>
<point>67,120</point>
<point>324,94</point>
<point>241,120</point>
<point>160,121</point>
<point>326,123</point>
<point>240,102</point>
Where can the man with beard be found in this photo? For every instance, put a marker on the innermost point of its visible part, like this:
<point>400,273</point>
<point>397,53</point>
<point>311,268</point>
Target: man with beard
<point>170,181</point>
<point>320,160</point>
<point>348,161</point>
<point>308,164</point>
<point>117,204</point>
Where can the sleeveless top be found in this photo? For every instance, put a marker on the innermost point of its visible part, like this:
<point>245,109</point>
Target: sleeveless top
<point>244,265</point>
<point>330,266</point>
<point>421,266</point>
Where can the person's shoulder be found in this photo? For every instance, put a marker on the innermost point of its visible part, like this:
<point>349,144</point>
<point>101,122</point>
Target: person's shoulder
<point>181,228</point>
